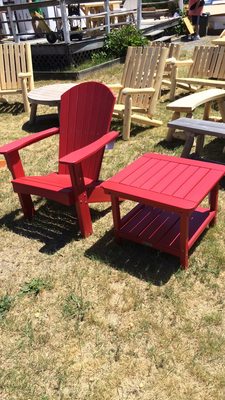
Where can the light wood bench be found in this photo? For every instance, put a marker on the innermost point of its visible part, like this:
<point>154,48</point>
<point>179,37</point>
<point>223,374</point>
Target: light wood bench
<point>197,128</point>
<point>189,103</point>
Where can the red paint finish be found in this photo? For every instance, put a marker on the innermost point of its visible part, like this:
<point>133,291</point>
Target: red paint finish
<point>85,117</point>
<point>169,191</point>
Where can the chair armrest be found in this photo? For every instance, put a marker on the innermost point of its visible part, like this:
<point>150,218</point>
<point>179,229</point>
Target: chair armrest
<point>24,74</point>
<point>26,141</point>
<point>80,155</point>
<point>127,91</point>
<point>181,63</point>
<point>115,86</point>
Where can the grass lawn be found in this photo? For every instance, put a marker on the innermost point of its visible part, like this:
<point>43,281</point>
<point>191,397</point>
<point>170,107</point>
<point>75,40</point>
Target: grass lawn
<point>94,320</point>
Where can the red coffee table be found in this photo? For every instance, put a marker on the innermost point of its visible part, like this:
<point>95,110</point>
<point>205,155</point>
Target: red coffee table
<point>169,191</point>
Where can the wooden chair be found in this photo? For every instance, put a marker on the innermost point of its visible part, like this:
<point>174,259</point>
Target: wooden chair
<point>206,69</point>
<point>140,86</point>
<point>16,70</point>
<point>173,56</point>
<point>85,117</point>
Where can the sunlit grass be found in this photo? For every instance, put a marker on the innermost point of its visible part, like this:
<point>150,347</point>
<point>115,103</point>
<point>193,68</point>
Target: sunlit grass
<point>98,320</point>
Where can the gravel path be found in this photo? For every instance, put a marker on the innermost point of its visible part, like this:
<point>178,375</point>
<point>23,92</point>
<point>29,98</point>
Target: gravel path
<point>190,44</point>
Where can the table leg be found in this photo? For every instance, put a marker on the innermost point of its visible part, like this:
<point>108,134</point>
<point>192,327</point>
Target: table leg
<point>207,109</point>
<point>169,136</point>
<point>184,224</point>
<point>213,201</point>
<point>116,216</point>
<point>188,144</point>
<point>33,112</point>
<point>199,144</point>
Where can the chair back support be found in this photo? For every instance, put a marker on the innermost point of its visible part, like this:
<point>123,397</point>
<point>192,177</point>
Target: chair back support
<point>144,67</point>
<point>14,59</point>
<point>208,62</point>
<point>85,115</point>
<point>174,52</point>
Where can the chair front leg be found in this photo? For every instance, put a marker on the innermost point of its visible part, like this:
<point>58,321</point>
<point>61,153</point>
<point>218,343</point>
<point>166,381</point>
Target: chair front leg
<point>81,200</point>
<point>27,205</point>
<point>127,117</point>
<point>173,77</point>
<point>16,168</point>
<point>24,94</point>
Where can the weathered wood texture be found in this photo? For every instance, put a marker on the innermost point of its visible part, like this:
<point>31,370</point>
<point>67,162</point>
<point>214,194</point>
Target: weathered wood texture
<point>197,128</point>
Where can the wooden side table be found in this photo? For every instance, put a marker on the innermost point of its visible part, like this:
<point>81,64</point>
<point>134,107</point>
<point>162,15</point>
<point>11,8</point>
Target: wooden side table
<point>49,95</point>
<point>169,191</point>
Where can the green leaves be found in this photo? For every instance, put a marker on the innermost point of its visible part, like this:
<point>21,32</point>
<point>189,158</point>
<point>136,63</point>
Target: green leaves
<point>118,40</point>
<point>75,307</point>
<point>35,286</point>
<point>5,305</point>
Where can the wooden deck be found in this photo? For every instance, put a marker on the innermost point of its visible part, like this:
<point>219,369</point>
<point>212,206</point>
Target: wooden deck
<point>61,55</point>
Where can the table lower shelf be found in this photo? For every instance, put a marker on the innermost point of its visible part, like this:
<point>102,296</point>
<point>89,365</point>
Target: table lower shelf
<point>161,229</point>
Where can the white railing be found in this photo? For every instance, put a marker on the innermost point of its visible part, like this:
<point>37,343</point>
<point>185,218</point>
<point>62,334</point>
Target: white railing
<point>107,19</point>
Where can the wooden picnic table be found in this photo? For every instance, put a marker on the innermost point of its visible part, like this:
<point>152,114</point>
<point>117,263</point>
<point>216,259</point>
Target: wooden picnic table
<point>94,9</point>
<point>99,6</point>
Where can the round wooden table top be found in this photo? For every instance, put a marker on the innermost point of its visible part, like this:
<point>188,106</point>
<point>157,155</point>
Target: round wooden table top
<point>50,94</point>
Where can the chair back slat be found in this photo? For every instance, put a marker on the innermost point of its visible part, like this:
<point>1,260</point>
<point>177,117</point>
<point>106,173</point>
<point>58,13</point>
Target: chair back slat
<point>219,72</point>
<point>208,62</point>
<point>174,52</point>
<point>85,115</point>
<point>15,58</point>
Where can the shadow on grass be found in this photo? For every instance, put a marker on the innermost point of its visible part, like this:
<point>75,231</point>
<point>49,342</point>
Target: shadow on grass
<point>174,144</point>
<point>41,123</point>
<point>11,108</point>
<point>141,261</point>
<point>117,125</point>
<point>53,224</point>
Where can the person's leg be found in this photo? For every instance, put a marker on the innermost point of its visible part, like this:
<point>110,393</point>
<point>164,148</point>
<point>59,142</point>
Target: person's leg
<point>195,23</point>
<point>197,26</point>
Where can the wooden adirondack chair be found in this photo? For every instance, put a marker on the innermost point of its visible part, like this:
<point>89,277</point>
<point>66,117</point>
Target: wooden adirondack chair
<point>140,86</point>
<point>173,56</point>
<point>206,69</point>
<point>85,117</point>
<point>16,70</point>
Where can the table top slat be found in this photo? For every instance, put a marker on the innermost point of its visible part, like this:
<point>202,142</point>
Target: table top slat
<point>193,180</point>
<point>154,166</point>
<point>176,179</point>
<point>171,181</point>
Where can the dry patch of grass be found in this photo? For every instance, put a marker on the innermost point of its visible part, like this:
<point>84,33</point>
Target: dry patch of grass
<point>94,320</point>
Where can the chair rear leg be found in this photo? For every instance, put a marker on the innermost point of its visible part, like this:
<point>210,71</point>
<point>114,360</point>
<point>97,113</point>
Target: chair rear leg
<point>27,205</point>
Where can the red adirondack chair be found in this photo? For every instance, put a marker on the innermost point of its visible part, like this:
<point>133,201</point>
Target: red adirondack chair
<point>85,117</point>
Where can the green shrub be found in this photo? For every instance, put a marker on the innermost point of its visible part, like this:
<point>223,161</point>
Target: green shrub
<point>99,57</point>
<point>118,40</point>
